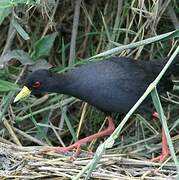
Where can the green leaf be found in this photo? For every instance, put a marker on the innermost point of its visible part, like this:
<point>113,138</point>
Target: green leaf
<point>11,3</point>
<point>4,12</point>
<point>20,30</point>
<point>20,55</point>
<point>7,86</point>
<point>40,64</point>
<point>43,46</point>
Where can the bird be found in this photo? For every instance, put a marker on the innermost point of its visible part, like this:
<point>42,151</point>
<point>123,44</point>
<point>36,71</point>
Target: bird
<point>111,85</point>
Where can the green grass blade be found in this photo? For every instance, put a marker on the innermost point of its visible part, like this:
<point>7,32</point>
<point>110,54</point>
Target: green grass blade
<point>20,30</point>
<point>116,50</point>
<point>40,131</point>
<point>158,106</point>
<point>8,86</point>
<point>70,127</point>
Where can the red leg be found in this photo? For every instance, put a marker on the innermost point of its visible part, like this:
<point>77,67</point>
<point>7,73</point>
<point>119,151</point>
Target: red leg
<point>165,150</point>
<point>78,144</point>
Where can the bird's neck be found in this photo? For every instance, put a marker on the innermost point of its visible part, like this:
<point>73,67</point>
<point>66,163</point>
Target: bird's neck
<point>62,83</point>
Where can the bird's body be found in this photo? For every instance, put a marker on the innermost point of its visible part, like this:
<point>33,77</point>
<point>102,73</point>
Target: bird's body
<point>112,85</point>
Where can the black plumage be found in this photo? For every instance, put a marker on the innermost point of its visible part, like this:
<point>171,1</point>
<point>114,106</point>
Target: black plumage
<point>112,85</point>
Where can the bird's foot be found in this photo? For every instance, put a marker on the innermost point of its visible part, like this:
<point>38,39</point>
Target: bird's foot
<point>76,146</point>
<point>162,157</point>
<point>165,150</point>
<point>85,140</point>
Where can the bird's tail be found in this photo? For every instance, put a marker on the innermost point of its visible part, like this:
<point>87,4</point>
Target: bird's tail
<point>166,84</point>
<point>157,66</point>
<point>174,67</point>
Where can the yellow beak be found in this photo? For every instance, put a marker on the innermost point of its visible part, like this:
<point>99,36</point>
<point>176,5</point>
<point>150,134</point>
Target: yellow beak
<point>23,93</point>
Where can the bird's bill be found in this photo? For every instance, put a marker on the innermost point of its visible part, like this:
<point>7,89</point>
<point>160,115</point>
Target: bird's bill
<point>25,91</point>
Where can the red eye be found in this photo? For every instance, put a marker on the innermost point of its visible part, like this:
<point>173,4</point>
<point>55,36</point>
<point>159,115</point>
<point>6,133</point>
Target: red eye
<point>36,84</point>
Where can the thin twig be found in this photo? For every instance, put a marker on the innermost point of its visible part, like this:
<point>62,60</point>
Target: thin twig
<point>51,18</point>
<point>172,15</point>
<point>74,32</point>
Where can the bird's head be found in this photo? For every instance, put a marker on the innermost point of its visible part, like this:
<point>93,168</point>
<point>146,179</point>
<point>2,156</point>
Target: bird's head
<point>35,83</point>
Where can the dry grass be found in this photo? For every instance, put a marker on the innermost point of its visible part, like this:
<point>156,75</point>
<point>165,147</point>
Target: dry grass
<point>30,163</point>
